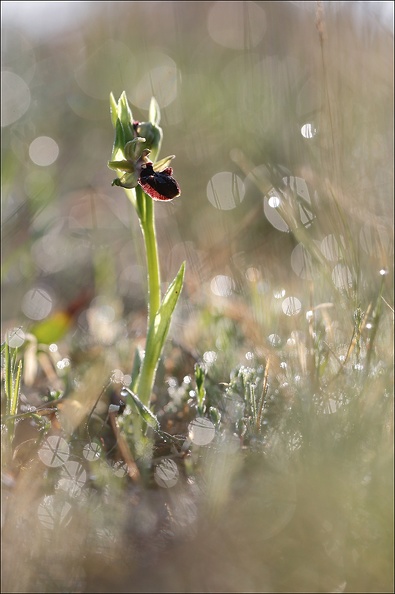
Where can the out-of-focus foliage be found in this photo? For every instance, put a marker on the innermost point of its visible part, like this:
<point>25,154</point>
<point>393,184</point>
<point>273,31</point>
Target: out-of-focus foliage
<point>281,117</point>
<point>234,96</point>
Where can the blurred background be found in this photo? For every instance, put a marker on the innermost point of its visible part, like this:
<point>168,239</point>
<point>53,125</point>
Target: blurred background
<point>246,100</point>
<point>280,115</point>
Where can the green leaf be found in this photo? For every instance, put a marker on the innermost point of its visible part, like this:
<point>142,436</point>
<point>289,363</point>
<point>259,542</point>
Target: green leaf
<point>119,141</point>
<point>16,390</point>
<point>158,331</point>
<point>201,392</point>
<point>144,412</point>
<point>113,110</point>
<point>154,112</point>
<point>135,369</point>
<point>162,319</point>
<point>124,111</point>
<point>126,118</point>
<point>214,415</point>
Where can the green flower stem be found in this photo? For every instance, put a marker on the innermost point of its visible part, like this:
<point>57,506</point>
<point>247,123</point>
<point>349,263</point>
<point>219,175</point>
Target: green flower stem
<point>151,246</point>
<point>150,362</point>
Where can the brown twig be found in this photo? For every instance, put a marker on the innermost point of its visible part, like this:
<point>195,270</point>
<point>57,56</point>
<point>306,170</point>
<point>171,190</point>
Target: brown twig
<point>133,471</point>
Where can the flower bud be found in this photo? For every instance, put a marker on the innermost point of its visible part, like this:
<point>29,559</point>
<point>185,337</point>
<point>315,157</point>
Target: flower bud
<point>152,134</point>
<point>135,149</point>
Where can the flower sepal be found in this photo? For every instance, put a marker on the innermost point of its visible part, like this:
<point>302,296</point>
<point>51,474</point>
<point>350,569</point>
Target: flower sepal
<point>126,181</point>
<point>163,163</point>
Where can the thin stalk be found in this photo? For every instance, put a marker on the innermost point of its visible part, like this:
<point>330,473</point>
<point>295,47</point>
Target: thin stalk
<point>151,247</point>
<point>149,365</point>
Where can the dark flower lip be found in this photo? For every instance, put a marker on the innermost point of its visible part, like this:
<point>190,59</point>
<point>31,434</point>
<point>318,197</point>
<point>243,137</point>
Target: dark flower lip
<point>160,185</point>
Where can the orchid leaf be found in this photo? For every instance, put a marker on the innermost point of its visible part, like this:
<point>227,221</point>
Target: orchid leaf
<point>154,112</point>
<point>113,110</point>
<point>161,324</point>
<point>119,141</point>
<point>143,410</point>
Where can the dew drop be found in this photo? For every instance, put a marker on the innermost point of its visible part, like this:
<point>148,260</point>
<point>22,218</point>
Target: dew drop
<point>166,473</point>
<point>120,469</point>
<point>253,275</point>
<point>127,380</point>
<point>91,451</point>
<point>210,357</point>
<point>274,201</point>
<point>54,452</point>
<point>271,202</point>
<point>117,376</point>
<point>72,478</point>
<point>308,130</point>
<point>124,393</point>
<point>36,304</point>
<point>43,151</point>
<point>274,339</point>
<point>225,190</point>
<point>279,293</point>
<point>201,431</point>
<point>15,337</point>
<point>222,285</point>
<point>291,306</point>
